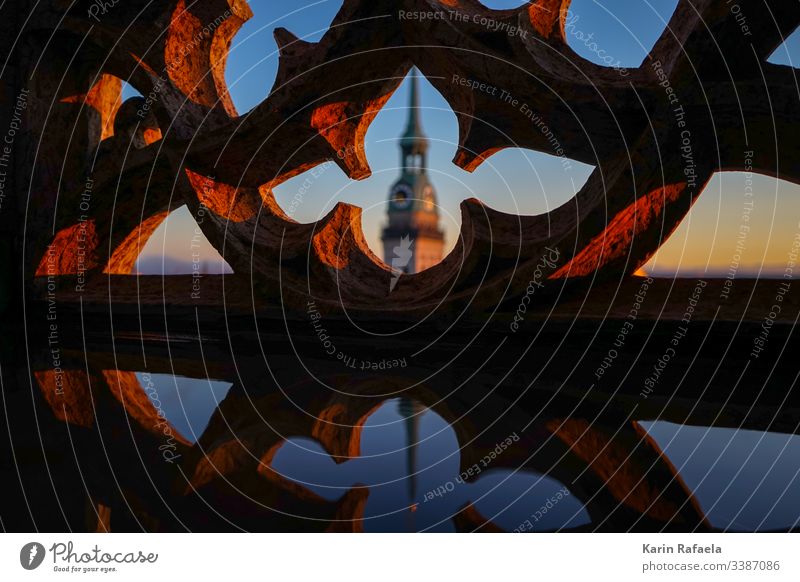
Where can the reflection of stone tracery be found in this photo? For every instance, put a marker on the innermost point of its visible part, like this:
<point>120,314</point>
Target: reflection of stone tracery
<point>94,434</point>
<point>226,481</point>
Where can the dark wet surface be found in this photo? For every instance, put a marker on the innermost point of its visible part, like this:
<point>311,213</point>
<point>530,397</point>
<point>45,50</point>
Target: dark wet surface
<point>179,434</point>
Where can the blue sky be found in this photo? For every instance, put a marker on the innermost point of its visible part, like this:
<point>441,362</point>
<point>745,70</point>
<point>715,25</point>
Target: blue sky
<point>513,180</point>
<point>743,479</point>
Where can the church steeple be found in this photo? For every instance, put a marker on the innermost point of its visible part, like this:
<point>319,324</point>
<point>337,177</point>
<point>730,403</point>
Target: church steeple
<point>411,410</point>
<point>412,239</point>
<point>414,143</point>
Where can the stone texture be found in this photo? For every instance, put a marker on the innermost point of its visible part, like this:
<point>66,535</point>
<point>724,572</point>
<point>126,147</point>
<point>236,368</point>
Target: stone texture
<point>194,149</point>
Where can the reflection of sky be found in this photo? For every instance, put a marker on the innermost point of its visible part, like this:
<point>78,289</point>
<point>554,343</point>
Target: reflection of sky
<point>744,480</point>
<point>516,181</point>
<point>509,499</point>
<point>188,403</point>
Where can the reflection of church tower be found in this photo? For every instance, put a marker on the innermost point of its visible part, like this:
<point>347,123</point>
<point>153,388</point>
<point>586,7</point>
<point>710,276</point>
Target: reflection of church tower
<point>411,411</point>
<point>412,240</point>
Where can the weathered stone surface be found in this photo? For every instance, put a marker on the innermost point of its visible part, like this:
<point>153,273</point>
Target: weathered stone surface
<point>193,149</point>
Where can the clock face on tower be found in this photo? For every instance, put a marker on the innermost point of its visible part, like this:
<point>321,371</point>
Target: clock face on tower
<point>402,196</point>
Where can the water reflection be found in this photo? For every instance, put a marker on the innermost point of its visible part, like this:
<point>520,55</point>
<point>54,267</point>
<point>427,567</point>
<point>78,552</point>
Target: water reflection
<point>744,480</point>
<point>410,460</point>
<point>187,403</point>
<point>341,452</point>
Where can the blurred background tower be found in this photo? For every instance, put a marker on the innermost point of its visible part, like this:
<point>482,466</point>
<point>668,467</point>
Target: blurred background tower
<point>412,239</point>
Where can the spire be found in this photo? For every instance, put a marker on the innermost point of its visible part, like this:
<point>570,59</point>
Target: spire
<point>413,135</point>
<point>411,410</point>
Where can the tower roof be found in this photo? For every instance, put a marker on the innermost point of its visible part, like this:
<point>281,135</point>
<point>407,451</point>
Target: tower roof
<point>413,136</point>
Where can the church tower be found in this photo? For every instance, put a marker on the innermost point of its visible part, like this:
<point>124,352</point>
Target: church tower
<point>412,239</point>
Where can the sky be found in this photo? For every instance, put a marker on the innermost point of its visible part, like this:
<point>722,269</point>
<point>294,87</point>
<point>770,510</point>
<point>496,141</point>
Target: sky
<point>513,180</point>
<point>742,479</point>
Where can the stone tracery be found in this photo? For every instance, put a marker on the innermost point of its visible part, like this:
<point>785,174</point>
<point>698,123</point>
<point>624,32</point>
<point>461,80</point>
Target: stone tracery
<point>703,98</point>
